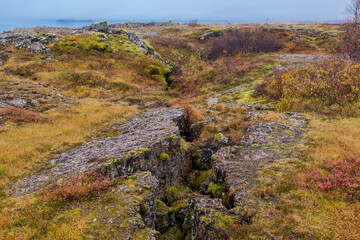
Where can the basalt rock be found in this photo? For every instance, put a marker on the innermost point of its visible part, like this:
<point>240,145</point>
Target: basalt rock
<point>98,27</point>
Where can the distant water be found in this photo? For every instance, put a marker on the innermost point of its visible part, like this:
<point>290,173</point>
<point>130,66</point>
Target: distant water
<point>11,24</point>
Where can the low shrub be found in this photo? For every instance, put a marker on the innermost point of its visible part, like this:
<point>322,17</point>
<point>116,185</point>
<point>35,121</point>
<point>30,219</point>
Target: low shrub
<point>342,178</point>
<point>330,87</point>
<point>18,115</point>
<point>163,157</point>
<point>80,187</point>
<point>242,41</point>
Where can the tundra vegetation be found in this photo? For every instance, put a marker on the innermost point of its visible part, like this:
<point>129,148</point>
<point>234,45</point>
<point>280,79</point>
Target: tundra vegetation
<point>92,82</point>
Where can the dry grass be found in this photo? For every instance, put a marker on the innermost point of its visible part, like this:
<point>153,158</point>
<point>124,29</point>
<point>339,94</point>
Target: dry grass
<point>23,147</point>
<point>332,140</point>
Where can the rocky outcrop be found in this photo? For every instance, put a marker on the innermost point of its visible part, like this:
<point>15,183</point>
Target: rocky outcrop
<point>32,96</point>
<point>31,42</point>
<point>97,27</point>
<point>150,142</point>
<point>134,38</point>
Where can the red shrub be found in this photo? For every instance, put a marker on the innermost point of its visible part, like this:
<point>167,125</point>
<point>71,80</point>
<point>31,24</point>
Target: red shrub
<point>18,115</point>
<point>342,177</point>
<point>79,187</point>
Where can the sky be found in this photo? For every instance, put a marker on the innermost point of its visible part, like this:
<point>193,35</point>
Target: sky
<point>181,10</point>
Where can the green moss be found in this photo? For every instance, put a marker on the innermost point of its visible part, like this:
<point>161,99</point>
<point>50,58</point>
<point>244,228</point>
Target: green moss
<point>50,166</point>
<point>143,208</point>
<point>196,181</point>
<point>173,233</point>
<point>163,157</point>
<point>179,204</point>
<point>82,43</point>
<point>162,207</point>
<point>205,219</point>
<point>42,34</point>
<point>216,190</point>
<point>141,151</point>
<point>176,193</point>
<point>173,137</point>
<point>147,44</point>
<point>185,145</point>
<point>114,162</point>
<point>2,171</point>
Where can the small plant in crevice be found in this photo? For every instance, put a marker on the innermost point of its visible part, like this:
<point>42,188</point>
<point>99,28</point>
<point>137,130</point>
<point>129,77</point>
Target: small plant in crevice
<point>216,190</point>
<point>189,118</point>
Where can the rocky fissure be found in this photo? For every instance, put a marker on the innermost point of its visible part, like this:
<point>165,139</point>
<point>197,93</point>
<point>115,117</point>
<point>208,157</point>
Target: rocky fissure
<point>139,147</point>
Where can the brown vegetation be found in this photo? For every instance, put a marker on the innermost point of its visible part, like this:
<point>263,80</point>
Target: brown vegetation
<point>242,41</point>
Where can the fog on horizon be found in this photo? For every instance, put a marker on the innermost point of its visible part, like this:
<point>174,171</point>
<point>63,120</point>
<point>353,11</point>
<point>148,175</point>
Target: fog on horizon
<point>161,10</point>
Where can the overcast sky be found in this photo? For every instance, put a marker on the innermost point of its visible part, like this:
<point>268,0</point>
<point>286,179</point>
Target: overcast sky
<point>180,10</point>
